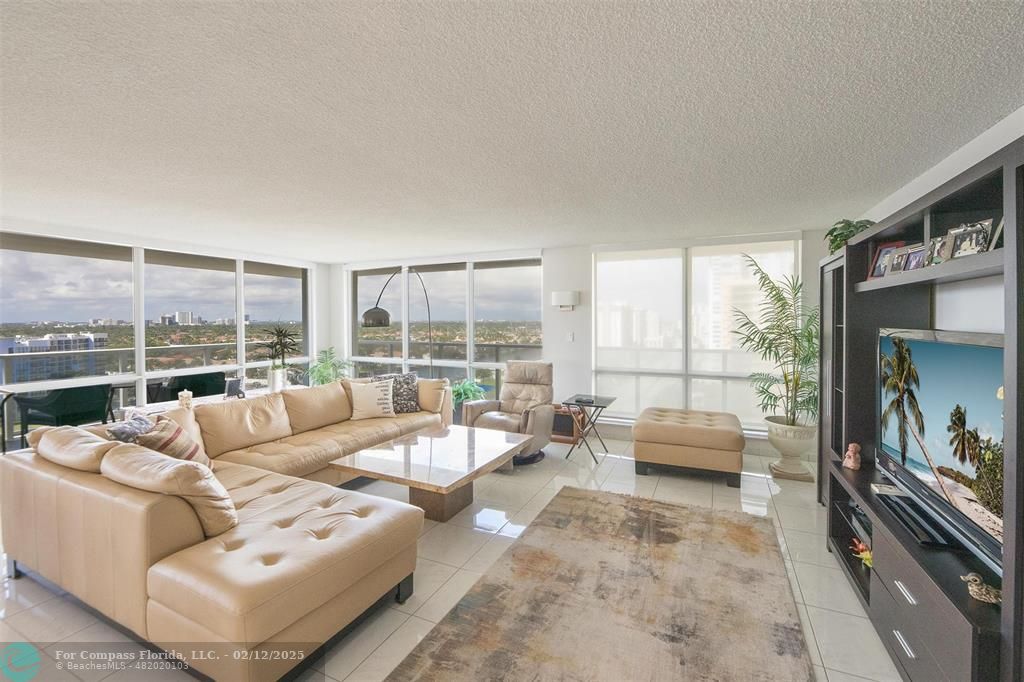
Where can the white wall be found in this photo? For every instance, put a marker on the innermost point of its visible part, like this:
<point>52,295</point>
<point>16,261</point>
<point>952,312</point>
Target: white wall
<point>568,341</point>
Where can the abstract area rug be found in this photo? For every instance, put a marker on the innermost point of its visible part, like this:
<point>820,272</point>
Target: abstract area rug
<point>611,587</point>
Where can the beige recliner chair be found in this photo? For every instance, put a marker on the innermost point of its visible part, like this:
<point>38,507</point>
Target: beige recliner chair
<point>524,406</point>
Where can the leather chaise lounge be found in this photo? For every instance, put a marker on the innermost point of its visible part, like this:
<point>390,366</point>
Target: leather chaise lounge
<point>304,560</point>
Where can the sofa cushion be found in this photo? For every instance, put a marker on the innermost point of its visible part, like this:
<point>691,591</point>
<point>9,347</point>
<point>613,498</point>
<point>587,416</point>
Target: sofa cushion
<point>431,394</point>
<point>234,424</point>
<point>70,446</point>
<point>297,545</point>
<point>311,408</point>
<point>405,395</point>
<point>171,439</point>
<point>695,428</point>
<point>308,452</point>
<point>139,467</point>
<point>501,421</point>
<point>373,400</point>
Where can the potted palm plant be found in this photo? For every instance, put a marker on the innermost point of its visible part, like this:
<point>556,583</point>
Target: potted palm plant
<point>282,343</point>
<point>786,337</point>
<point>328,367</point>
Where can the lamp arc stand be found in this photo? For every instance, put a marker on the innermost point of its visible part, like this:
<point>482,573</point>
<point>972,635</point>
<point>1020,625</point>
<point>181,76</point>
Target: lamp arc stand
<point>426,297</point>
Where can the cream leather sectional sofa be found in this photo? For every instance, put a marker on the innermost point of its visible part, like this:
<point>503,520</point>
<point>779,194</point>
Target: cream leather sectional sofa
<point>303,562</point>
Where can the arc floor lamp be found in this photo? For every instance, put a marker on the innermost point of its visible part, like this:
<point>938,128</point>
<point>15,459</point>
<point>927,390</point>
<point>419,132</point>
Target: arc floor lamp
<point>379,317</point>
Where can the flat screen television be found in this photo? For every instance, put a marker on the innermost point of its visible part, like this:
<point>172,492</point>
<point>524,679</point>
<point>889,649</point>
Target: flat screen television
<point>940,434</point>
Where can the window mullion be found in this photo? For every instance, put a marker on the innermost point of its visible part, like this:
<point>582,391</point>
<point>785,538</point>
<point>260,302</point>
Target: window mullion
<point>139,314</point>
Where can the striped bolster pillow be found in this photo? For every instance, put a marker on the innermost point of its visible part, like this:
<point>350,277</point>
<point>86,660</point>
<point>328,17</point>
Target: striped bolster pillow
<point>170,438</point>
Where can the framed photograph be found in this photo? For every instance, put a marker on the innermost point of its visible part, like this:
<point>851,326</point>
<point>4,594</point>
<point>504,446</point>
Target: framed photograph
<point>233,388</point>
<point>916,258</point>
<point>898,258</point>
<point>972,240</point>
<point>881,261</point>
<point>940,250</point>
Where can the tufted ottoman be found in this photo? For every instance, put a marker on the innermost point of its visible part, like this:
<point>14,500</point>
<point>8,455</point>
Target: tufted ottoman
<point>689,438</point>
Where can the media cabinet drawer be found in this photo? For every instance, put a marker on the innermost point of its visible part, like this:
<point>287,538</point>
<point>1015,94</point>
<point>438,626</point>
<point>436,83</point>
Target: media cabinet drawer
<point>896,626</point>
<point>921,611</point>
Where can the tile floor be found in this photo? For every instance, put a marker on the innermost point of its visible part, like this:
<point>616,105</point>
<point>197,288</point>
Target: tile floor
<point>453,555</point>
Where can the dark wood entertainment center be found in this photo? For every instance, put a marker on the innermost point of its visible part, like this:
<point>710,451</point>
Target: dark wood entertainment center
<point>914,594</point>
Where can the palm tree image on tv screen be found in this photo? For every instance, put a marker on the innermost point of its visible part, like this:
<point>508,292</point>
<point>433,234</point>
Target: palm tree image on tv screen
<point>941,418</point>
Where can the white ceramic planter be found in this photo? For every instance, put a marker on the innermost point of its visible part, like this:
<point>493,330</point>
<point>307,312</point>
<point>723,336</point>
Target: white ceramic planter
<point>278,380</point>
<point>792,442</point>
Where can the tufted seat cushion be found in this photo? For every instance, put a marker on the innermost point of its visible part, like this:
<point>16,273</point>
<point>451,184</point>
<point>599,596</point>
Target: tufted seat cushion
<point>697,428</point>
<point>297,545</point>
<point>309,451</point>
<point>501,421</point>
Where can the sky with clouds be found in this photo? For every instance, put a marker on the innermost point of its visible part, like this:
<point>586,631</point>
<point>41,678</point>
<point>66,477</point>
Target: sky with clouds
<point>38,287</point>
<point>51,287</point>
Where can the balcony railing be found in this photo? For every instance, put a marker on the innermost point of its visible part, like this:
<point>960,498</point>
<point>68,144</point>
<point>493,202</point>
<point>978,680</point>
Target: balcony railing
<point>450,350</point>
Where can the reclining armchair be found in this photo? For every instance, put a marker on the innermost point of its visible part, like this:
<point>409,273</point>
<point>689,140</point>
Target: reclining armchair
<point>524,406</point>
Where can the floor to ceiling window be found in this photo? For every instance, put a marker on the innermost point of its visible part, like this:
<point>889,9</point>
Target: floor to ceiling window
<point>378,289</point>
<point>68,315</point>
<point>482,313</point>
<point>663,326</point>
<point>65,309</point>
<point>275,296</point>
<point>190,303</point>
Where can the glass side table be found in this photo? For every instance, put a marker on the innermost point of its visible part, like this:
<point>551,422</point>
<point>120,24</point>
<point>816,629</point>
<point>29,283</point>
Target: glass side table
<point>586,409</point>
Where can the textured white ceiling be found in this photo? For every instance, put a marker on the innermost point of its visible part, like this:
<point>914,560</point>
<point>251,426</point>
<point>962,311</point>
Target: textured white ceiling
<point>342,131</point>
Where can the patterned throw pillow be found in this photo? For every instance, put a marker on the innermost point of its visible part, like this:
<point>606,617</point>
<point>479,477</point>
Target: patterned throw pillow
<point>372,401</point>
<point>170,439</point>
<point>405,395</point>
<point>130,429</point>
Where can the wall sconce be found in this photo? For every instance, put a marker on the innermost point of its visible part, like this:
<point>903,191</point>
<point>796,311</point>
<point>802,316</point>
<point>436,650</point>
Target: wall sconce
<point>565,300</point>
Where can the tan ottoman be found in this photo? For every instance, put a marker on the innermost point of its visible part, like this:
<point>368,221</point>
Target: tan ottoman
<point>689,438</point>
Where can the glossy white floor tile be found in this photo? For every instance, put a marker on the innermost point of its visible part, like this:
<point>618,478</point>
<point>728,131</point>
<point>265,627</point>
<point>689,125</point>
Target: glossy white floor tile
<point>449,594</point>
<point>348,654</point>
<point>452,556</point>
<point>383,660</point>
<point>827,588</point>
<point>428,579</point>
<point>850,644</point>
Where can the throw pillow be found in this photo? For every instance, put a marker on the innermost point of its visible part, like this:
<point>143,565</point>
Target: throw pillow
<point>130,429</point>
<point>373,400</point>
<point>405,395</point>
<point>170,439</point>
<point>139,467</point>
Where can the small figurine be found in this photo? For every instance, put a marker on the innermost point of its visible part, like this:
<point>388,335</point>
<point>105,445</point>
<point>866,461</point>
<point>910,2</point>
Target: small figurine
<point>852,458</point>
<point>185,399</point>
<point>862,552</point>
<point>980,591</point>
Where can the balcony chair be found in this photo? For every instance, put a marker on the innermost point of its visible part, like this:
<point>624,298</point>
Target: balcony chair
<point>207,383</point>
<point>524,406</point>
<point>64,407</point>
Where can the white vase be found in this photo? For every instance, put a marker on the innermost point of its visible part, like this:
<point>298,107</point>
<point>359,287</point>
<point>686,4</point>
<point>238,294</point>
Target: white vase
<point>792,442</point>
<point>278,380</point>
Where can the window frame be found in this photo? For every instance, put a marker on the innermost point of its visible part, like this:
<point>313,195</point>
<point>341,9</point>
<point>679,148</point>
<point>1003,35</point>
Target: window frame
<point>141,375</point>
<point>405,363</point>
<point>686,374</point>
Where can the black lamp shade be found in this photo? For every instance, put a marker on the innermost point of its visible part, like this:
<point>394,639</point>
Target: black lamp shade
<point>376,317</point>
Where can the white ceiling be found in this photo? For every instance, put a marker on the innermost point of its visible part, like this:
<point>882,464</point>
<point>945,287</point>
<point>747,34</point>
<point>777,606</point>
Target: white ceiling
<point>342,131</point>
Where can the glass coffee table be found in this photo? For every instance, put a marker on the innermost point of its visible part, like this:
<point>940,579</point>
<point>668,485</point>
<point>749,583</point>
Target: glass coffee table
<point>439,464</point>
